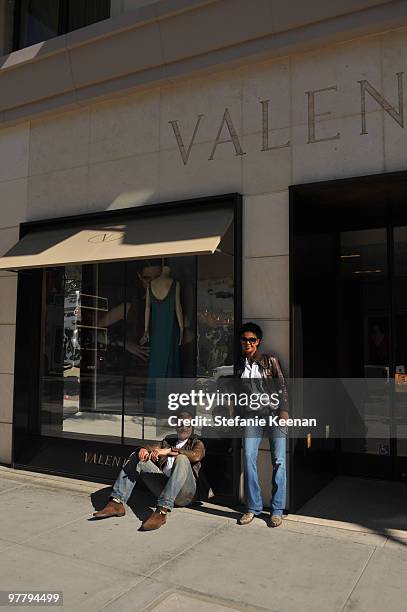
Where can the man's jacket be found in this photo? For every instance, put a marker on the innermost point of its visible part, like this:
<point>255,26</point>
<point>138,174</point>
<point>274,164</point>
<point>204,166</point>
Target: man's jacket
<point>194,449</point>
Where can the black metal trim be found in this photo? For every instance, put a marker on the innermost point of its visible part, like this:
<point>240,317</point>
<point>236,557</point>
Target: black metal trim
<point>383,177</point>
<point>65,8</point>
<point>63,17</point>
<point>16,25</point>
<point>122,432</point>
<point>291,372</point>
<point>174,206</point>
<point>392,347</point>
<point>238,267</point>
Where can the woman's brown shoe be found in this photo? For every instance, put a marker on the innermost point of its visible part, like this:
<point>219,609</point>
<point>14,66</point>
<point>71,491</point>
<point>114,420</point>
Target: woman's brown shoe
<point>112,508</point>
<point>275,520</point>
<point>156,520</point>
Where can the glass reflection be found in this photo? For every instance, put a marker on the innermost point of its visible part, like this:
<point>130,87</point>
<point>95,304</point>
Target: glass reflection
<point>215,310</point>
<point>110,330</point>
<point>364,336</point>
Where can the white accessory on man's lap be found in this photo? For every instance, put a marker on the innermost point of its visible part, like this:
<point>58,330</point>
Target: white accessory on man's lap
<point>167,467</point>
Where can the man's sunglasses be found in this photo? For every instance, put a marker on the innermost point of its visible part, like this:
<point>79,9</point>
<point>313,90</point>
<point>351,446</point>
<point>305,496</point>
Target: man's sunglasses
<point>250,340</point>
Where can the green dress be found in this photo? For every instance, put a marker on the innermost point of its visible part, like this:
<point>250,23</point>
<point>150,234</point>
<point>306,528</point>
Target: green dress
<point>164,339</point>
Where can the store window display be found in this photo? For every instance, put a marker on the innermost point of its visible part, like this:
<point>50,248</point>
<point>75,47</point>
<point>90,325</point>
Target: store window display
<point>113,330</point>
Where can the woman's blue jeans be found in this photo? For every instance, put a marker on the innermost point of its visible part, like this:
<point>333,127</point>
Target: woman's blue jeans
<point>252,439</point>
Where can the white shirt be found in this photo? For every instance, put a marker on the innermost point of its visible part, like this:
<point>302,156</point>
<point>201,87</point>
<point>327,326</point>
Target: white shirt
<point>251,370</point>
<point>170,460</point>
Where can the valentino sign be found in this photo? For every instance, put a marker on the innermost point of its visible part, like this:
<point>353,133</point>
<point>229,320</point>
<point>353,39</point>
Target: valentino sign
<point>227,132</point>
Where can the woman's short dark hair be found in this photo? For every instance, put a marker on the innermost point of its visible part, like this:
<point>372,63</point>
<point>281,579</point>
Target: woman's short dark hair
<point>253,328</point>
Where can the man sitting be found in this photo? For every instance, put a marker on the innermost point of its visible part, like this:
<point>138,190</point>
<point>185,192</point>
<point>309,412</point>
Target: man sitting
<point>171,470</point>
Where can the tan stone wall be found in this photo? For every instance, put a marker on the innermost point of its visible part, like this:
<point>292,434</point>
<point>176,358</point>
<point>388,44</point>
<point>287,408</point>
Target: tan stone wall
<point>178,38</point>
<point>123,152</point>
<point>13,202</point>
<point>133,5</point>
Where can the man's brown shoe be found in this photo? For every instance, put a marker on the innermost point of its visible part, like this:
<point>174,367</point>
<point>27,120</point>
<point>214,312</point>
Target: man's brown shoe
<point>275,520</point>
<point>112,508</point>
<point>156,520</point>
<point>246,518</point>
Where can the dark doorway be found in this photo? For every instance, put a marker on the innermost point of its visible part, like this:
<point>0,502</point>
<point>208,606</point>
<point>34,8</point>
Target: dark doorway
<point>348,247</point>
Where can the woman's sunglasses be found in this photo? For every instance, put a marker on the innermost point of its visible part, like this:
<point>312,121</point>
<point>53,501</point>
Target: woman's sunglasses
<point>250,340</point>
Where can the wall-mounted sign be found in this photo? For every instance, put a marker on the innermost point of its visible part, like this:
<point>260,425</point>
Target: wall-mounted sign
<point>97,458</point>
<point>226,131</point>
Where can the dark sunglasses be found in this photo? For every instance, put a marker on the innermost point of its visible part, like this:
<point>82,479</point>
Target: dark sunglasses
<point>250,340</point>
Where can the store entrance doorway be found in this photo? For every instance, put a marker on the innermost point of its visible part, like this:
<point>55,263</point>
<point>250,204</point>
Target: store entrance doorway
<point>372,343</point>
<point>349,321</point>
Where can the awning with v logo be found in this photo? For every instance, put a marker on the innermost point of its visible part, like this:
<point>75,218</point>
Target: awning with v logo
<point>186,233</point>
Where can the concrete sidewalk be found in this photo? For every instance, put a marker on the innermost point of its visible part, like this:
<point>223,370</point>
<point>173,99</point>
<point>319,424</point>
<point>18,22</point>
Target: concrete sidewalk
<point>201,560</point>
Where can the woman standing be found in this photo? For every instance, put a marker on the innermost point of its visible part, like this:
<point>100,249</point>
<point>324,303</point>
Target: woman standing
<point>266,368</point>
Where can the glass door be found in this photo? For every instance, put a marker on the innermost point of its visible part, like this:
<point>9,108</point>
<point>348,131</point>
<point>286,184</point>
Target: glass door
<point>364,350</point>
<point>348,250</point>
<point>373,346</point>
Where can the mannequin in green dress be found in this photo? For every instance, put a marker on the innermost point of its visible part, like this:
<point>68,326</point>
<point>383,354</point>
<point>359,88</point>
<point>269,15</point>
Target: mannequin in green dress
<point>163,329</point>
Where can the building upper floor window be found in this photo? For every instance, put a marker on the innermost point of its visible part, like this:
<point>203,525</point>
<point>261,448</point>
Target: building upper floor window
<point>40,20</point>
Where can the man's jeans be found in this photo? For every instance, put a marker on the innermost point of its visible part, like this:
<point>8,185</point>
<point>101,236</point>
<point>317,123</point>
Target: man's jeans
<point>178,489</point>
<point>252,439</point>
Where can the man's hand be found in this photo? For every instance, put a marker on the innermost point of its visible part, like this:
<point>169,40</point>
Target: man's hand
<point>159,452</point>
<point>143,454</point>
